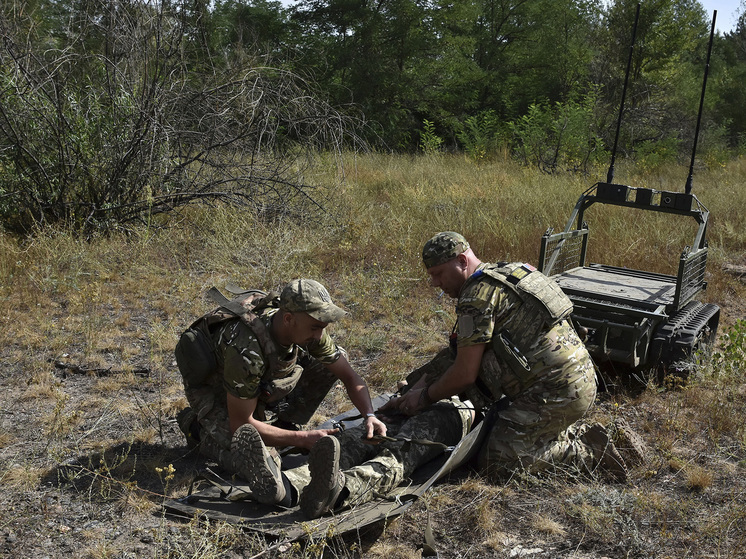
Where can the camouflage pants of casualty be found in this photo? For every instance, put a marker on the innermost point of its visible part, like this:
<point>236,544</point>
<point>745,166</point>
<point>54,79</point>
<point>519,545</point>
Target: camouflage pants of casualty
<point>209,405</point>
<point>374,470</point>
<point>540,428</point>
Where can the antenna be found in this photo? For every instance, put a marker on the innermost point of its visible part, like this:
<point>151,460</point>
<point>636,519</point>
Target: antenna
<point>610,174</point>
<point>688,187</point>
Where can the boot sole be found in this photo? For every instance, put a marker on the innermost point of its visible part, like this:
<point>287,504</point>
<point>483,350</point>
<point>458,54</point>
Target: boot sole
<point>260,470</point>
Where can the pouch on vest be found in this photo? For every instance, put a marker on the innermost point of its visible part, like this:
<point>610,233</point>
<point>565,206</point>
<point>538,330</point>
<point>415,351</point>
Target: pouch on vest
<point>276,389</point>
<point>522,377</point>
<point>195,357</point>
<point>512,356</point>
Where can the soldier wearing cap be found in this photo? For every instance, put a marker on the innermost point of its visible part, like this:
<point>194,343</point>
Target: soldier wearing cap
<point>513,349</point>
<point>273,367</point>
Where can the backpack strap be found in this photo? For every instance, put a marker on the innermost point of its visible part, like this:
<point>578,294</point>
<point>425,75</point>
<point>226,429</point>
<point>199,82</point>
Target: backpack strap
<point>526,281</point>
<point>233,306</point>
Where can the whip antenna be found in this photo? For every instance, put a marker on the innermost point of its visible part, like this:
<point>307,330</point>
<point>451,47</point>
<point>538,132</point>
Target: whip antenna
<point>688,187</point>
<point>610,174</point>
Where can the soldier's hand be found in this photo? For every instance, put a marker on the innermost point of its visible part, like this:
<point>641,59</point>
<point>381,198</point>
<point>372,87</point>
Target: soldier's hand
<point>392,406</point>
<point>312,437</point>
<point>390,409</point>
<point>374,426</point>
<point>409,403</point>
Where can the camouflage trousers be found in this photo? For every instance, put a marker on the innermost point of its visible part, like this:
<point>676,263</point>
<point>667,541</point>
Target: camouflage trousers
<point>374,470</point>
<point>538,431</point>
<point>540,427</point>
<point>209,407</point>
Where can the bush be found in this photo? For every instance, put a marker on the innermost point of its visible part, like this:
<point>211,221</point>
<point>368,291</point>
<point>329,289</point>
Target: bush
<point>480,135</point>
<point>651,154</point>
<point>112,117</point>
<point>430,142</point>
<point>560,136</point>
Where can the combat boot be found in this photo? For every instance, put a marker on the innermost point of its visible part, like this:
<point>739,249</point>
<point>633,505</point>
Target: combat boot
<point>628,442</point>
<point>259,466</point>
<point>327,481</point>
<point>606,456</point>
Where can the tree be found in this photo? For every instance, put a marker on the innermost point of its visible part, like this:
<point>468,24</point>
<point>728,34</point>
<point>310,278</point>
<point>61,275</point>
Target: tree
<point>730,75</point>
<point>533,51</point>
<point>363,52</point>
<point>667,65</point>
<point>259,26</point>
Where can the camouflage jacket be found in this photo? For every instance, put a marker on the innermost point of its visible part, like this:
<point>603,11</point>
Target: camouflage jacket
<point>522,317</point>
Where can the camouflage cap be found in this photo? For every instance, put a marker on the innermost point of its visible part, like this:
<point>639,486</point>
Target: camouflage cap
<point>443,248</point>
<point>312,298</point>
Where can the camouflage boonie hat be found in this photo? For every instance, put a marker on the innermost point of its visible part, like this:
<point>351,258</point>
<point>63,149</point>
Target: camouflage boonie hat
<point>312,298</point>
<point>443,248</point>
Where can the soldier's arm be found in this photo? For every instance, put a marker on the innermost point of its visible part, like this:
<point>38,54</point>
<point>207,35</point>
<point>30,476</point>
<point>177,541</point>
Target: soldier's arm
<point>457,377</point>
<point>241,411</point>
<point>358,392</point>
<point>461,374</point>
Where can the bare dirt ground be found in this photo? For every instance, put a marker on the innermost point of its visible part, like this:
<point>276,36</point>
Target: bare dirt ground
<point>89,449</point>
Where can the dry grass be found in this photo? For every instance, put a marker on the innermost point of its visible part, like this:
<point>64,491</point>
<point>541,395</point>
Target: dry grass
<point>114,306</point>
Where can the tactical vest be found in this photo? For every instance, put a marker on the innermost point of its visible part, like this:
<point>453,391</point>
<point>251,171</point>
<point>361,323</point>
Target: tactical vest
<point>196,352</point>
<point>506,370</point>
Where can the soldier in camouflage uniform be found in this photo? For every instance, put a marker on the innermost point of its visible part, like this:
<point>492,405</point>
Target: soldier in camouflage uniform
<point>513,339</point>
<point>272,368</point>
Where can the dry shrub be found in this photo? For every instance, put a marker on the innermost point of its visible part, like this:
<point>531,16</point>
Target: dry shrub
<point>6,439</point>
<point>42,385</point>
<point>113,383</point>
<point>474,506</point>
<point>698,478</point>
<point>388,550</point>
<point>498,541</point>
<point>605,513</point>
<point>545,525</point>
<point>22,477</point>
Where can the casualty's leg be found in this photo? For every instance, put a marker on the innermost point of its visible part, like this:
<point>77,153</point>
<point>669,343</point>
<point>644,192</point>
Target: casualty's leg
<point>257,465</point>
<point>445,422</point>
<point>327,481</point>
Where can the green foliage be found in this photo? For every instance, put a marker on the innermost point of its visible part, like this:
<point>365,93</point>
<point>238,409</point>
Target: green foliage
<point>560,136</point>
<point>727,94</point>
<point>730,359</point>
<point>651,154</point>
<point>259,24</point>
<point>430,142</point>
<point>480,135</point>
<point>668,62</point>
<point>531,134</point>
<point>532,51</point>
<point>110,112</point>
